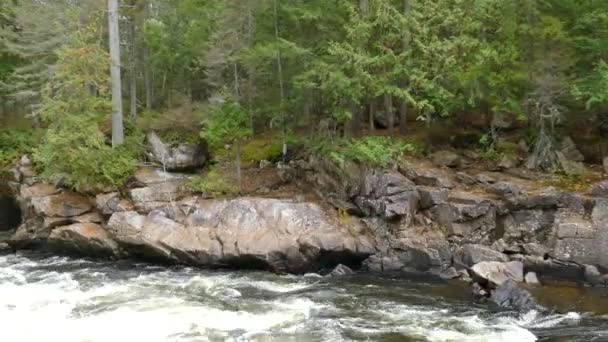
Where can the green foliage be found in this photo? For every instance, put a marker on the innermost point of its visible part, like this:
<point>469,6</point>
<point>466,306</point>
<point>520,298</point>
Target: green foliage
<point>227,123</point>
<point>78,155</point>
<point>373,151</point>
<point>214,184</point>
<point>260,149</point>
<point>15,143</point>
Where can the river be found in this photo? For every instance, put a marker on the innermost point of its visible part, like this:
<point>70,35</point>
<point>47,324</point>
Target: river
<point>51,298</point>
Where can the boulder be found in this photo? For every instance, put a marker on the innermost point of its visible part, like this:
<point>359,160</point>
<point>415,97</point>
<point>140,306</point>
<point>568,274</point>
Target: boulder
<point>430,197</point>
<point>446,158</point>
<point>425,175</point>
<point>449,273</point>
<point>525,225</point>
<point>474,254</point>
<point>510,295</point>
<point>88,239</point>
<point>156,196</point>
<point>145,176</point>
<point>531,278</point>
<point>600,189</point>
<point>554,268</point>
<point>496,273</point>
<point>257,233</point>
<point>180,157</point>
<point>67,204</point>
<point>545,198</point>
<point>599,217</point>
<point>535,249</point>
<point>340,271</point>
<point>592,275</point>
<point>407,255</point>
<point>108,204</point>
<point>508,162</point>
<point>569,151</point>
<point>387,193</point>
<point>571,167</point>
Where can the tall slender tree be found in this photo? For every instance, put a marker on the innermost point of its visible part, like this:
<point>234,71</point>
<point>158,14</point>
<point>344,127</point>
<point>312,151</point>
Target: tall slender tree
<point>117,114</point>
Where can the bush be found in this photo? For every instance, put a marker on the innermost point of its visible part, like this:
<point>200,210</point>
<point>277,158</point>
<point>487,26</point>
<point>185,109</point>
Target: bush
<point>77,155</point>
<point>374,151</point>
<point>15,143</point>
<point>214,183</point>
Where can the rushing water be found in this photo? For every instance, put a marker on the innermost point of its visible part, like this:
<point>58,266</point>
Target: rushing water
<point>49,298</point>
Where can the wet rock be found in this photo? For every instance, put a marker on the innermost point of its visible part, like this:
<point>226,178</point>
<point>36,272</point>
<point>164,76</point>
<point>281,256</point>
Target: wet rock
<point>554,268</point>
<point>180,157</point>
<point>340,271</point>
<point>88,239</point>
<point>496,273</point>
<point>510,295</point>
<point>430,197</point>
<point>411,255</point>
<point>478,291</point>
<point>446,158</point>
<point>449,273</point>
<point>599,217</point>
<point>592,275</point>
<point>256,233</point>
<point>531,278</point>
<point>474,254</point>
<point>464,275</point>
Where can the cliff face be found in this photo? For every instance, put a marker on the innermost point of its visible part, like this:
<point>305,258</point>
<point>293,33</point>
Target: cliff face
<point>415,216</point>
<point>439,219</point>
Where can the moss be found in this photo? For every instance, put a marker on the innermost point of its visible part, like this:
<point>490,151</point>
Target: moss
<point>580,183</point>
<point>262,148</point>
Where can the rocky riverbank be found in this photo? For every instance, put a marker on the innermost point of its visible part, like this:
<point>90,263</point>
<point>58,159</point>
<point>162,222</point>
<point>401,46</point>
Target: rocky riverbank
<point>494,229</point>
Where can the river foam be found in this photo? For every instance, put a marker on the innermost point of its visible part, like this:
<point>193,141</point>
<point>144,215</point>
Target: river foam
<point>60,299</point>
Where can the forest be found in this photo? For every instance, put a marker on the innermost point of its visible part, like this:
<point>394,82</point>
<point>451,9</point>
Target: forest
<point>364,80</point>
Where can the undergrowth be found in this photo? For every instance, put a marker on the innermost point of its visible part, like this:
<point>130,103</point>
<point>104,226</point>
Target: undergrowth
<point>373,150</point>
<point>214,183</point>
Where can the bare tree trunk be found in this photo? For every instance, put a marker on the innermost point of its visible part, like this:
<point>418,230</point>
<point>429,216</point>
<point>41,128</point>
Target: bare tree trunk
<point>238,166</point>
<point>133,74</point>
<point>250,34</point>
<point>236,82</point>
<point>117,117</point>
<point>281,85</point>
<point>372,115</point>
<point>388,104</point>
<point>403,105</point>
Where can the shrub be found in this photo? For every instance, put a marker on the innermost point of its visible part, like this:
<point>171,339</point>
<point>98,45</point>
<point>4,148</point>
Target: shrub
<point>77,155</point>
<point>374,151</point>
<point>15,143</point>
<point>215,183</point>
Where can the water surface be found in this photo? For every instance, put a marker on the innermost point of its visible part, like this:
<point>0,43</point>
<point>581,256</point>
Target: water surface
<point>50,298</point>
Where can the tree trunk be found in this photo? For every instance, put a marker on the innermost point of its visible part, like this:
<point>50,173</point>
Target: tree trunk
<point>117,117</point>
<point>132,66</point>
<point>406,46</point>
<point>238,166</point>
<point>372,115</point>
<point>403,118</point>
<point>281,85</point>
<point>388,104</point>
